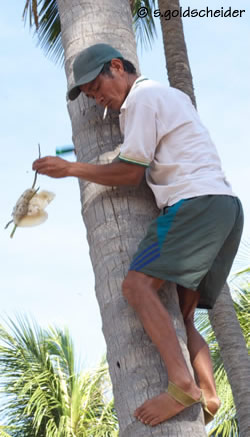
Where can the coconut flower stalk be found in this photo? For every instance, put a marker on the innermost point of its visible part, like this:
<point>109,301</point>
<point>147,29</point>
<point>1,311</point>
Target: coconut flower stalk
<point>29,208</point>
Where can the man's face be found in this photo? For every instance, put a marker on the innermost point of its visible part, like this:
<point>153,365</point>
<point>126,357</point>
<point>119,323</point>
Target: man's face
<point>109,91</point>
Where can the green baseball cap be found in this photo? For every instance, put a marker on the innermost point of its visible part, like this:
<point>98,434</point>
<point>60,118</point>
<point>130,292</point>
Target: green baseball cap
<point>89,63</point>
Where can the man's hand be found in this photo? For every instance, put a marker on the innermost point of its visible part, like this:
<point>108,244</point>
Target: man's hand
<point>52,166</point>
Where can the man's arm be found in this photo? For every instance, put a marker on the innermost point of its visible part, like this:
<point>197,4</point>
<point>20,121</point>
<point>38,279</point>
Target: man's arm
<point>114,174</point>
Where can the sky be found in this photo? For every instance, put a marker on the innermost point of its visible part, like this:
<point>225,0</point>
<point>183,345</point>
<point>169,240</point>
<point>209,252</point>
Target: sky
<point>46,272</point>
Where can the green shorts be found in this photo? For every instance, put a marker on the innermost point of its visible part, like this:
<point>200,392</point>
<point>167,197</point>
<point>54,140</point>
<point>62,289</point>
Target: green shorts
<point>193,243</point>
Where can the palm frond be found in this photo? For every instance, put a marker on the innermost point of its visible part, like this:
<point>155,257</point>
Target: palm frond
<point>44,17</point>
<point>49,31</point>
<point>145,29</point>
<point>30,10</point>
<point>4,429</point>
<point>41,393</point>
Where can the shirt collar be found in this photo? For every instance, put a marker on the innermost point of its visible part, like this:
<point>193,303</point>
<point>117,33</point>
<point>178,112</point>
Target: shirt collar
<point>135,85</point>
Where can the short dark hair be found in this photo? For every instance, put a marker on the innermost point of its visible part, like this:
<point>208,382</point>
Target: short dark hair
<point>127,65</point>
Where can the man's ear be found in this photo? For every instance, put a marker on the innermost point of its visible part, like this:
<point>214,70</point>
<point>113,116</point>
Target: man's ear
<point>117,64</point>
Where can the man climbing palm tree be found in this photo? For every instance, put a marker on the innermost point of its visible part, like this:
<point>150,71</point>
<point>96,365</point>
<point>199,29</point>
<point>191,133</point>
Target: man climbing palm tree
<point>194,240</point>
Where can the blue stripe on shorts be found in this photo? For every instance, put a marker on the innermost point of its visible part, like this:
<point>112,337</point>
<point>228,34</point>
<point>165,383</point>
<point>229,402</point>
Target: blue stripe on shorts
<point>152,252</point>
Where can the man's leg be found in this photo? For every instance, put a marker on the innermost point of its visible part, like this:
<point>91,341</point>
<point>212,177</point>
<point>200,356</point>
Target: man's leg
<point>198,348</point>
<point>140,291</point>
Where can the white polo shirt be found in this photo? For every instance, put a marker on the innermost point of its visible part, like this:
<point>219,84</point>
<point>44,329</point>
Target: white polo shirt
<point>162,131</point>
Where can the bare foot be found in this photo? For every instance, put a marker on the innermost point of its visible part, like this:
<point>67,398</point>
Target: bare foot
<point>158,409</point>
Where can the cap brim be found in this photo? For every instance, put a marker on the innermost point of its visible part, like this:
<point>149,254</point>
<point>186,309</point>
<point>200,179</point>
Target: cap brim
<point>74,92</point>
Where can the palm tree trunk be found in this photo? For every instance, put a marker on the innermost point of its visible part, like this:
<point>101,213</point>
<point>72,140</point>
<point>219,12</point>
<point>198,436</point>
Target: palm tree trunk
<point>116,219</point>
<point>223,317</point>
<point>234,355</point>
<point>177,63</point>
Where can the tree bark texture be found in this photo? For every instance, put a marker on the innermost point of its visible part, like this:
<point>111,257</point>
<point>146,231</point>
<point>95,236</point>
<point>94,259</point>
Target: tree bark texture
<point>234,355</point>
<point>177,63</point>
<point>116,219</point>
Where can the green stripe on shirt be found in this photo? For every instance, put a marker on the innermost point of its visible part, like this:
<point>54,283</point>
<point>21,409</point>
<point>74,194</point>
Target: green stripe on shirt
<point>133,161</point>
